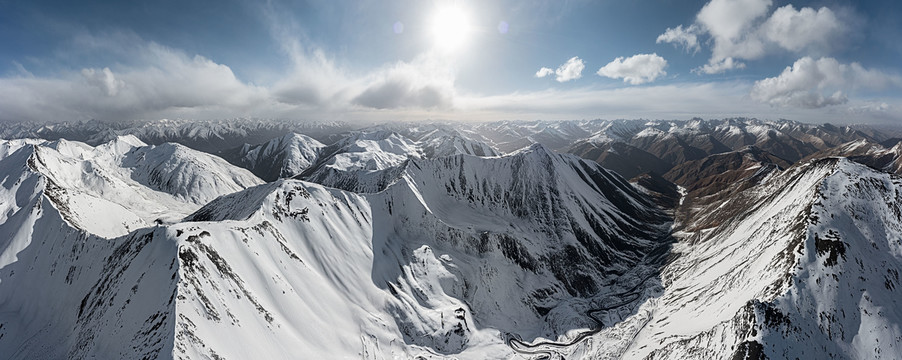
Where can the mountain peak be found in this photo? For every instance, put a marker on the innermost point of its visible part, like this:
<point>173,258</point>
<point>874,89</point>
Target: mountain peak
<point>536,149</point>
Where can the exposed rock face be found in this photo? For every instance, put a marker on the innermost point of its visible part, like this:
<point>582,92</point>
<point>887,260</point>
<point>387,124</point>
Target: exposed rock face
<point>717,172</point>
<point>627,160</point>
<point>665,193</point>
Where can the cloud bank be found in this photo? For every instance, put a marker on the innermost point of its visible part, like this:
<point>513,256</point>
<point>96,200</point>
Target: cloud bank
<point>171,81</point>
<point>166,82</point>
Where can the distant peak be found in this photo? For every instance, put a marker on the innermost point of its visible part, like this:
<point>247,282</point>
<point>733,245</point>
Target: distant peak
<point>751,149</point>
<point>536,147</point>
<point>293,137</point>
<point>130,140</point>
<point>374,135</point>
<point>122,144</point>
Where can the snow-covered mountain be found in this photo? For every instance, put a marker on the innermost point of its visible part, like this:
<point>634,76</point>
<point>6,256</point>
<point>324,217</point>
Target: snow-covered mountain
<point>445,142</point>
<point>508,136</point>
<point>363,162</point>
<point>445,248</point>
<point>205,135</point>
<point>278,158</point>
<point>631,147</point>
<point>802,266</point>
<point>292,267</point>
<point>369,161</point>
<point>715,173</point>
<point>634,147</point>
<point>125,184</point>
<point>887,158</point>
<point>360,161</point>
<point>83,271</point>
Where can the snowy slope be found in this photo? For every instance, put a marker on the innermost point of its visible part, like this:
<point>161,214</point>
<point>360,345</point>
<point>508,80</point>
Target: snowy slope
<point>8,147</point>
<point>806,271</point>
<point>125,184</point>
<point>189,175</point>
<point>69,294</point>
<point>561,228</point>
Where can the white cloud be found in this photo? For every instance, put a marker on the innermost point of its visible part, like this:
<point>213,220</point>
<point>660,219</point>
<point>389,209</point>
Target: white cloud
<point>717,67</point>
<point>104,80</point>
<point>687,37</point>
<point>806,28</point>
<point>730,20</point>
<point>636,69</point>
<point>571,70</point>
<point>425,83</point>
<point>810,83</point>
<point>315,82</point>
<point>543,72</point>
<point>744,30</point>
<point>730,23</point>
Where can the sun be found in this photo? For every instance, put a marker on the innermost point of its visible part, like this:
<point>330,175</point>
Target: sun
<point>450,28</point>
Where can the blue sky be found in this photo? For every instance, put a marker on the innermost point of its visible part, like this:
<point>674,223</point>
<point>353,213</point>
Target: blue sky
<point>814,61</point>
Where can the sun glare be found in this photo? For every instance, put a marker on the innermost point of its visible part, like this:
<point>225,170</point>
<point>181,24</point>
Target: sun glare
<point>450,28</point>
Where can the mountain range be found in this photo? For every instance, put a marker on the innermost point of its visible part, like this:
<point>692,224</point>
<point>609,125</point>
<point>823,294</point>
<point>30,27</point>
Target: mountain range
<point>231,239</point>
